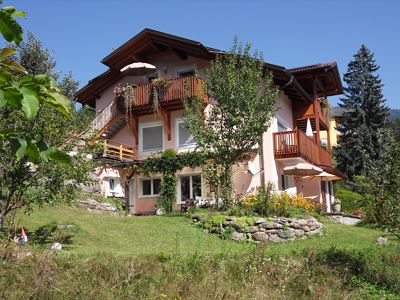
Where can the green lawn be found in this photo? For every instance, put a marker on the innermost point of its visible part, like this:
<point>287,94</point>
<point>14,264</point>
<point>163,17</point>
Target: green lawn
<point>134,236</point>
<point>113,257</point>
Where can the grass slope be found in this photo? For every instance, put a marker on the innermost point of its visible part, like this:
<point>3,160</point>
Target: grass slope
<point>135,236</point>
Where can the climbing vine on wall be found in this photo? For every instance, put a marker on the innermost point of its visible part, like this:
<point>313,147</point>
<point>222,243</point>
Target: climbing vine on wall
<point>168,163</point>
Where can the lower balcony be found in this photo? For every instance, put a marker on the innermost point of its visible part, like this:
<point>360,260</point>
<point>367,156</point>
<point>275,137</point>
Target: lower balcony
<point>293,144</point>
<point>117,151</point>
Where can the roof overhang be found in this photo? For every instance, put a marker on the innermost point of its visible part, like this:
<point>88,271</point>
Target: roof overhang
<point>294,82</point>
<point>325,75</point>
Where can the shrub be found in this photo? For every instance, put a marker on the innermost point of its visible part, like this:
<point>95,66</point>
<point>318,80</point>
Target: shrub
<point>350,200</point>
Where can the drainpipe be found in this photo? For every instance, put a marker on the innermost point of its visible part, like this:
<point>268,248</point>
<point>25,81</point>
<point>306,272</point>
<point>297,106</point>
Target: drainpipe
<point>261,154</point>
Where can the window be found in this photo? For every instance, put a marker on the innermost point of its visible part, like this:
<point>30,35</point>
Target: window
<point>151,137</point>
<point>150,187</point>
<point>285,182</point>
<point>185,71</point>
<point>112,184</point>
<point>184,138</point>
<point>190,187</point>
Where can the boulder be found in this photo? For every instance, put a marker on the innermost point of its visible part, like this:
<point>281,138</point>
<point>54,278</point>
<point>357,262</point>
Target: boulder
<point>260,236</point>
<point>286,234</point>
<point>196,217</point>
<point>298,232</point>
<point>382,240</point>
<point>238,236</point>
<point>252,229</point>
<point>274,238</point>
<point>273,225</point>
<point>215,229</point>
<point>260,221</point>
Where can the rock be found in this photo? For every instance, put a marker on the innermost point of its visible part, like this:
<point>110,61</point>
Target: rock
<point>318,225</point>
<point>382,240</point>
<point>298,232</point>
<point>56,247</point>
<point>196,217</point>
<point>272,231</point>
<point>230,219</point>
<point>238,236</point>
<point>312,228</point>
<point>306,228</point>
<point>248,235</point>
<point>260,221</point>
<point>296,225</point>
<point>214,229</point>
<point>272,226</point>
<point>286,234</point>
<point>276,239</point>
<point>262,229</point>
<point>260,236</point>
<point>252,229</point>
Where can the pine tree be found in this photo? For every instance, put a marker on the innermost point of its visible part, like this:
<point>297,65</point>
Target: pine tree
<point>364,113</point>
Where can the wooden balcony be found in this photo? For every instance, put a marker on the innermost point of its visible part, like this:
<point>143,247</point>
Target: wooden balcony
<point>118,151</point>
<point>175,92</point>
<point>291,144</point>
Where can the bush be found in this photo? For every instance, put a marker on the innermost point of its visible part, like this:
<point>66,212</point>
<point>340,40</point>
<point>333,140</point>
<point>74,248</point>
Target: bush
<point>350,200</point>
<point>265,203</point>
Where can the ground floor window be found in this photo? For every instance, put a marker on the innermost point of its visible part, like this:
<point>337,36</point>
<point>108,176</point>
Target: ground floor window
<point>150,187</point>
<point>284,182</point>
<point>113,182</point>
<point>189,187</point>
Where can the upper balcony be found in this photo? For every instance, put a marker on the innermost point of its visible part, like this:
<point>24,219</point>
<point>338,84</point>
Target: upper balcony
<point>168,96</point>
<point>292,144</point>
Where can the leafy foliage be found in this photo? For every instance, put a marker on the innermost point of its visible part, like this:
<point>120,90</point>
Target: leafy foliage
<point>243,103</point>
<point>167,164</point>
<point>382,186</point>
<point>35,120</point>
<point>364,113</point>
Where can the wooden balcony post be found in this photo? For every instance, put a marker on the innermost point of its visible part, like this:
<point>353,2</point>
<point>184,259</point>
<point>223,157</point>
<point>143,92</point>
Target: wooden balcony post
<point>120,152</point>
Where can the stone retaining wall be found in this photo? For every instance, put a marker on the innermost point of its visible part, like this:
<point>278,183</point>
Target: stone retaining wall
<point>274,230</point>
<point>98,207</point>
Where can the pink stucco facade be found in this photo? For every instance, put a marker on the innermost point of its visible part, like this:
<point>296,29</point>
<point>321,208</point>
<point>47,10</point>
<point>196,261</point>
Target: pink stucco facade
<point>245,181</point>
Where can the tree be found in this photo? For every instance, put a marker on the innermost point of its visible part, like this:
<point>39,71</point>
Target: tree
<point>33,115</point>
<point>382,186</point>
<point>243,103</point>
<point>364,113</point>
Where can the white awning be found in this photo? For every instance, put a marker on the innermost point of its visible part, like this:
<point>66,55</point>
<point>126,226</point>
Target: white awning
<point>302,169</point>
<point>139,68</point>
<point>325,176</point>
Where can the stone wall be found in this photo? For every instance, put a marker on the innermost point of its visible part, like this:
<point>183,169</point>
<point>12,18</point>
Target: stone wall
<point>98,207</point>
<point>275,230</point>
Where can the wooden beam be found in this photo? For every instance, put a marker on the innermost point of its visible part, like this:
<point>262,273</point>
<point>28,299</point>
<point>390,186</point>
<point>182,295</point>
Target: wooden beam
<point>182,55</point>
<point>166,119</point>
<point>133,124</point>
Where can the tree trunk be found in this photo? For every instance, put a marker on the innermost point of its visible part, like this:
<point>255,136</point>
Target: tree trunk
<point>226,184</point>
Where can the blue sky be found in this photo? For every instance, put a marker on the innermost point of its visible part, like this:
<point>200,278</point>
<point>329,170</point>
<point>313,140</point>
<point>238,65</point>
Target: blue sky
<point>289,33</point>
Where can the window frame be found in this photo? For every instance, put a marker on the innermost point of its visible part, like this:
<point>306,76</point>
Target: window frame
<point>178,189</point>
<point>152,195</point>
<point>183,69</point>
<point>149,125</point>
<point>187,146</point>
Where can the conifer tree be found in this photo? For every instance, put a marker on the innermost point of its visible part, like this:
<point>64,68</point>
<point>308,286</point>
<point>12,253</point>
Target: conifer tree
<point>364,113</point>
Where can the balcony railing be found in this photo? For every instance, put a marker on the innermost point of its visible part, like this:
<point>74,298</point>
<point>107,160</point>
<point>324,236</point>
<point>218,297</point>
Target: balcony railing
<point>119,151</point>
<point>176,89</point>
<point>289,144</point>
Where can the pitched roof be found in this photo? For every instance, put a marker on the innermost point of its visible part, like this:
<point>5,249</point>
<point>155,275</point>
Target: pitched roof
<point>150,41</point>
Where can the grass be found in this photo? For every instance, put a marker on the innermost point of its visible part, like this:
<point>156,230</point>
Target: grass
<point>135,236</point>
<point>168,258</point>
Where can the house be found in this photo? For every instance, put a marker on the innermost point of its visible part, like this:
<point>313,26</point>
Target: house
<point>133,133</point>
